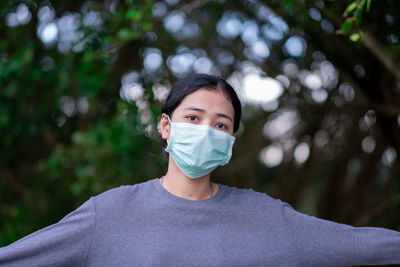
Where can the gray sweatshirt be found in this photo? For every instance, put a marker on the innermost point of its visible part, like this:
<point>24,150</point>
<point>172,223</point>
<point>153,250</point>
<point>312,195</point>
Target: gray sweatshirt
<point>145,225</point>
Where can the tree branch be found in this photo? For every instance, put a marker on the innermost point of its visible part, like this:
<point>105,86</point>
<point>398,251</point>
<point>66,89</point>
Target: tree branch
<point>375,47</point>
<point>193,5</point>
<point>370,42</point>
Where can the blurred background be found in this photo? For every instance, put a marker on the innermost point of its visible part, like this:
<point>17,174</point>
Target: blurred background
<point>82,84</point>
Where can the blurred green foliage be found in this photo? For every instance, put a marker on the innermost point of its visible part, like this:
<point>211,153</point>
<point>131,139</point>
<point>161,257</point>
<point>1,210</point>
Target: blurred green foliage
<point>51,161</point>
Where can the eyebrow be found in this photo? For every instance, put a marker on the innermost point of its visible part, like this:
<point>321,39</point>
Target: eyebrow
<point>222,115</point>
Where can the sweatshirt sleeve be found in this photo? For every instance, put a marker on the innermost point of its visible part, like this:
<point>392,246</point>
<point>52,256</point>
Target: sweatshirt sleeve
<point>65,243</point>
<point>320,242</point>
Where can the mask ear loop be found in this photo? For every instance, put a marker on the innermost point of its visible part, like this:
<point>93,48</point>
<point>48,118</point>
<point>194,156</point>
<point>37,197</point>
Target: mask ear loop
<point>170,122</point>
<point>169,119</point>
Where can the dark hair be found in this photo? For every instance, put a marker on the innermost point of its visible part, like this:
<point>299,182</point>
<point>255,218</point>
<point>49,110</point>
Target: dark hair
<point>194,82</point>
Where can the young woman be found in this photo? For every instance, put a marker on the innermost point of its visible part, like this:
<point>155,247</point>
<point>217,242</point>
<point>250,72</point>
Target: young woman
<point>183,219</point>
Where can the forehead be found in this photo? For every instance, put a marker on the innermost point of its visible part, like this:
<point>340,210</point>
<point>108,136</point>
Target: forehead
<point>208,99</point>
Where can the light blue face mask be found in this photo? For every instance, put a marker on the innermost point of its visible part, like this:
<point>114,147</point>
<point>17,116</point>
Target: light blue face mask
<point>198,149</point>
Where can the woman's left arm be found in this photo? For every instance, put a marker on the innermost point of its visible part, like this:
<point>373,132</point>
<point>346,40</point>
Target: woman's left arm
<point>326,243</point>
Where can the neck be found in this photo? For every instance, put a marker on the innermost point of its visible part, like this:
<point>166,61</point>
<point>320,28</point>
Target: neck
<point>177,183</point>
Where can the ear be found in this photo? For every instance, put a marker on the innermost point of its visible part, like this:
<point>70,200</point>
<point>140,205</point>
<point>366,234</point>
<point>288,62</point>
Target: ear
<point>165,126</point>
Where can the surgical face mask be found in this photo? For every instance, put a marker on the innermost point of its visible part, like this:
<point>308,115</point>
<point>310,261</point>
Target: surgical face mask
<point>198,149</point>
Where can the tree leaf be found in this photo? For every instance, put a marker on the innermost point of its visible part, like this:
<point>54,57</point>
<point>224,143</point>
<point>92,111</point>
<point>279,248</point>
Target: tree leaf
<point>368,5</point>
<point>359,16</point>
<point>354,37</point>
<point>133,14</point>
<point>346,27</point>
<point>350,8</point>
<point>124,33</point>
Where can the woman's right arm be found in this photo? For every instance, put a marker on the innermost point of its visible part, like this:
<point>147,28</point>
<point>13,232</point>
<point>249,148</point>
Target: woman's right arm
<point>64,243</point>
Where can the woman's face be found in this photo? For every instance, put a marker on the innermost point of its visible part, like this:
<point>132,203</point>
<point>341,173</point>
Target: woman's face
<point>207,107</point>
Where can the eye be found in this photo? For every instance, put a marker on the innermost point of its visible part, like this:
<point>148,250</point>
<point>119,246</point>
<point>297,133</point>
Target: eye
<point>222,126</point>
<point>191,117</point>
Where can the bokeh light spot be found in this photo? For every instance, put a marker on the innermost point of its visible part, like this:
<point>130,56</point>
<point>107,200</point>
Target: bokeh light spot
<point>272,155</point>
<point>261,89</point>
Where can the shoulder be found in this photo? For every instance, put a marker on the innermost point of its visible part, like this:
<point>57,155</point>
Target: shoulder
<point>252,198</point>
<point>122,195</point>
